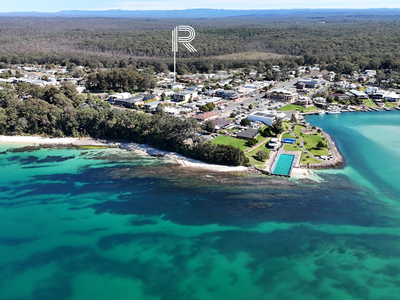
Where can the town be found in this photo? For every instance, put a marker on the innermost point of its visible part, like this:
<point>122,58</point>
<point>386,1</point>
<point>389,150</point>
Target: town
<point>263,118</point>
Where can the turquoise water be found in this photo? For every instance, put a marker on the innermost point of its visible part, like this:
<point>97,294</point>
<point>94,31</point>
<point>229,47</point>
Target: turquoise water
<point>284,164</point>
<point>110,224</point>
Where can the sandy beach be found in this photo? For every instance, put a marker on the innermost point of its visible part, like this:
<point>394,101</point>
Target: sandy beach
<point>139,148</point>
<point>31,140</point>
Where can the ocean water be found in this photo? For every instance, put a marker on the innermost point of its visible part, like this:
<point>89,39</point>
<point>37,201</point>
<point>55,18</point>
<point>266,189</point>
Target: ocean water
<point>110,224</point>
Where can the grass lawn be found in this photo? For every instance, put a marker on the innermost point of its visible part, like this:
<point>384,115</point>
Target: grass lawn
<point>286,125</point>
<point>370,103</point>
<point>309,160</point>
<point>299,108</point>
<point>311,141</point>
<point>227,140</point>
<point>291,147</point>
<point>252,156</point>
<point>287,136</point>
<point>390,104</point>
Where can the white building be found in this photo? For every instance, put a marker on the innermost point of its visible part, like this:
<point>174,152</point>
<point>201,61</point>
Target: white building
<point>266,117</point>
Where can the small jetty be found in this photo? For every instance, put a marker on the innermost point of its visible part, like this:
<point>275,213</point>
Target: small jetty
<point>375,109</point>
<point>396,107</point>
<point>387,108</point>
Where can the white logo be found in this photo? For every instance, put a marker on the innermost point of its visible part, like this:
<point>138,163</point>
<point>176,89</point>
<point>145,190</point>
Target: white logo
<point>184,40</point>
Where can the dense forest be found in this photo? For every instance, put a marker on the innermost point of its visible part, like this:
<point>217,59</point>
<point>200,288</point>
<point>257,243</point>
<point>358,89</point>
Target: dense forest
<point>340,43</point>
<point>59,112</point>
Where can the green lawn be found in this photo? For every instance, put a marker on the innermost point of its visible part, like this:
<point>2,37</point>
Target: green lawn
<point>291,147</point>
<point>287,136</point>
<point>370,103</point>
<point>311,141</point>
<point>227,140</point>
<point>252,156</point>
<point>310,160</point>
<point>299,108</point>
<point>390,104</point>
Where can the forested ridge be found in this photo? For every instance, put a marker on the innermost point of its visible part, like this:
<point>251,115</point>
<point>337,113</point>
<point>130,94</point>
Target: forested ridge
<point>373,43</point>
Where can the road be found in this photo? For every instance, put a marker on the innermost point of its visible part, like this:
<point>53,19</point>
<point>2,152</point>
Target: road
<point>280,85</point>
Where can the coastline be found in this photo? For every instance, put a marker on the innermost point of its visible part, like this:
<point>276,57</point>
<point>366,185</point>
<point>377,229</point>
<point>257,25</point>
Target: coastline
<point>143,149</point>
<point>139,148</point>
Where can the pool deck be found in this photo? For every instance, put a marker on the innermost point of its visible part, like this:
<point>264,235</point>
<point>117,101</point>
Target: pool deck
<point>274,158</point>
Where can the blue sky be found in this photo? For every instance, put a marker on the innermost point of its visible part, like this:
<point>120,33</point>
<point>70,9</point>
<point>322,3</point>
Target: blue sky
<point>57,5</point>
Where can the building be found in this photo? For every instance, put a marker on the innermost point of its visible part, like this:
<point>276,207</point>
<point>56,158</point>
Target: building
<point>128,103</point>
<point>152,105</point>
<point>203,102</point>
<point>283,94</point>
<point>248,134</point>
<point>305,101</point>
<point>184,96</point>
<point>220,123</point>
<point>206,116</point>
<point>359,94</point>
<point>274,143</point>
<point>392,97</point>
<point>265,117</point>
<point>173,86</point>
<point>309,84</point>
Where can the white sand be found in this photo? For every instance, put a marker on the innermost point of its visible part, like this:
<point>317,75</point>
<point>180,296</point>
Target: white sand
<point>298,173</point>
<point>180,159</point>
<point>58,141</point>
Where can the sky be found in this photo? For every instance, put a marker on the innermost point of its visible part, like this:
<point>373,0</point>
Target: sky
<point>57,5</point>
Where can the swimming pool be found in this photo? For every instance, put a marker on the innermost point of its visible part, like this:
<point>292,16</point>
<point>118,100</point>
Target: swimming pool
<point>284,164</point>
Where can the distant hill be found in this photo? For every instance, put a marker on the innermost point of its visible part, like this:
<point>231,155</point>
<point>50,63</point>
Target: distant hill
<point>206,13</point>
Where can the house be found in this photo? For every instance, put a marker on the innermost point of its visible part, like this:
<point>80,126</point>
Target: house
<point>206,116</point>
<point>231,95</point>
<point>378,95</point>
<point>184,96</point>
<point>319,100</point>
<point>370,73</point>
<point>392,97</point>
<point>152,105</point>
<point>359,94</point>
<point>173,86</point>
<point>220,123</point>
<point>226,94</point>
<point>203,102</point>
<point>305,101</point>
<point>128,103</point>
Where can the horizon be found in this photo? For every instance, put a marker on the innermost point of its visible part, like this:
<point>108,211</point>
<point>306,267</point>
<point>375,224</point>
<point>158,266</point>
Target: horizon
<point>47,6</point>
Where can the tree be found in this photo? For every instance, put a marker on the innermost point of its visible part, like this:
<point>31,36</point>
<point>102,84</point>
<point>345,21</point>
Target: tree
<point>262,155</point>
<point>163,97</point>
<point>320,145</point>
<point>250,106</point>
<point>277,127</point>
<point>232,115</point>
<point>245,122</point>
<point>208,126</point>
<point>251,142</point>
